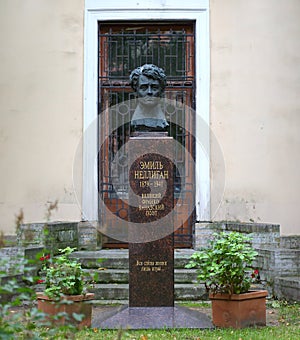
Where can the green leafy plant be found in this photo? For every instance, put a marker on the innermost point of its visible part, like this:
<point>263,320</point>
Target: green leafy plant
<point>224,265</point>
<point>63,275</point>
<point>19,317</point>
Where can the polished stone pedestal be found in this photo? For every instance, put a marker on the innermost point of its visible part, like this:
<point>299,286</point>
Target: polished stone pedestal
<point>151,242</point>
<point>151,202</point>
<point>151,318</point>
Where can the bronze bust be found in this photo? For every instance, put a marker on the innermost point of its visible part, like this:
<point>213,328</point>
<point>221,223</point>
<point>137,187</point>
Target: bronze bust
<point>148,81</point>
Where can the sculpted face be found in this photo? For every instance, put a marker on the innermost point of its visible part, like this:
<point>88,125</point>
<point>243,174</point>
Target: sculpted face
<point>148,91</point>
<point>148,82</point>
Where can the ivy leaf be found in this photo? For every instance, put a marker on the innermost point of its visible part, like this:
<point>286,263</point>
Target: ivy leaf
<point>78,317</point>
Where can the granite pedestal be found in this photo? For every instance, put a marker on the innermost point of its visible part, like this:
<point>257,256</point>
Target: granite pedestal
<point>151,201</point>
<point>151,318</point>
<point>151,242</point>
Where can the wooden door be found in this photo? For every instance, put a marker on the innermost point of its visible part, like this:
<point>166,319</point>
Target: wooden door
<point>122,48</point>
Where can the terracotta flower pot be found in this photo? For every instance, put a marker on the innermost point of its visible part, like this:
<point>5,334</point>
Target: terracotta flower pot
<point>78,305</point>
<point>239,310</point>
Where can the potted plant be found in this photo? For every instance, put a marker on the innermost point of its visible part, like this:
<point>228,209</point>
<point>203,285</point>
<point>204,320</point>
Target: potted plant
<point>64,297</point>
<point>224,268</point>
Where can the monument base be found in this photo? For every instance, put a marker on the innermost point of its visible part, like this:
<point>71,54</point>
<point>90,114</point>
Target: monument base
<point>151,204</point>
<point>151,318</point>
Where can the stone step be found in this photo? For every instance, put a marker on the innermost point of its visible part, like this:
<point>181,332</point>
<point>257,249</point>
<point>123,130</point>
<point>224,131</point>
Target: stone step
<point>121,275</point>
<point>112,272</point>
<point>278,262</point>
<point>187,292</point>
<point>107,275</point>
<point>190,292</point>
<point>185,276</point>
<point>111,291</point>
<point>287,287</point>
<point>118,258</point>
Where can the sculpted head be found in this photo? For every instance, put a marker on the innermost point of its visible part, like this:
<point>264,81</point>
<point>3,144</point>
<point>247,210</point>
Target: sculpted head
<point>149,82</point>
<point>150,71</point>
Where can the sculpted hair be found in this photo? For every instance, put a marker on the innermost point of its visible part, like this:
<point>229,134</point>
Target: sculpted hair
<point>148,70</point>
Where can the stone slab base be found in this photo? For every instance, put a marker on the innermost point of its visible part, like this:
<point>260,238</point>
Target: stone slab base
<point>287,288</point>
<point>151,318</point>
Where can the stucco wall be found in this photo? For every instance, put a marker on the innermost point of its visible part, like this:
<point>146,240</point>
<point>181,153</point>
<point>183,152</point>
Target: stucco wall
<point>255,101</point>
<point>41,106</point>
<point>255,109</point>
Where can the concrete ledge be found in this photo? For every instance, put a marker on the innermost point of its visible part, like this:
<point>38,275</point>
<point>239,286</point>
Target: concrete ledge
<point>51,236</point>
<point>287,288</point>
<point>263,235</point>
<point>290,242</point>
<point>277,262</point>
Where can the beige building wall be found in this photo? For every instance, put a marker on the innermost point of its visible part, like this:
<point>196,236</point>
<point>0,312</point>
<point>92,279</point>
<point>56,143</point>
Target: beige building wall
<point>255,109</point>
<point>255,117</point>
<point>41,107</point>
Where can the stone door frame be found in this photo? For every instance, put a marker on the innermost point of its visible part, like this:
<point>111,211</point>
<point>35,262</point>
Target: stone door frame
<point>95,11</point>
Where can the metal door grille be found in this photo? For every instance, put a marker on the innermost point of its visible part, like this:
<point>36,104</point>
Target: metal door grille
<point>123,47</point>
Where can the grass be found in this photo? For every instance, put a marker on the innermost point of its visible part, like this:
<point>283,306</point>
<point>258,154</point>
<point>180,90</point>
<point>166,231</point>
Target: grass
<point>193,304</point>
<point>267,333</point>
<point>287,328</point>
